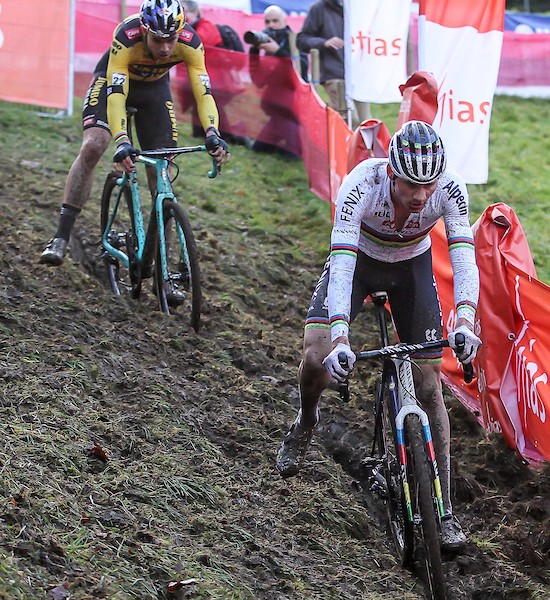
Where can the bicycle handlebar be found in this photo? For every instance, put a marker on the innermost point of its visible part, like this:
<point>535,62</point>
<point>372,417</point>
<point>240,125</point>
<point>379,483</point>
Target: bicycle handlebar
<point>169,152</point>
<point>401,350</point>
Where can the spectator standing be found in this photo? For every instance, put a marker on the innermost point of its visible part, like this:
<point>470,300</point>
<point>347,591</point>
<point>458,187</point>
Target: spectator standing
<point>210,36</point>
<point>272,78</point>
<point>276,27</point>
<point>323,29</point>
<point>208,32</point>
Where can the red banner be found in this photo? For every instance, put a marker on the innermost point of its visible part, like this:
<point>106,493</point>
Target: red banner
<point>35,57</point>
<point>510,394</point>
<point>525,61</point>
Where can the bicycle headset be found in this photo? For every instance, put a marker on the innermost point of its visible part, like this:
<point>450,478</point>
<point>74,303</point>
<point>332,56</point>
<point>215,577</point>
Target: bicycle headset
<point>416,153</point>
<point>162,18</point>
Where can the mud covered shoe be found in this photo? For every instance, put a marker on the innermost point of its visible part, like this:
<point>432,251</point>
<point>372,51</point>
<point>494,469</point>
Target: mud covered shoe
<point>453,538</point>
<point>292,452</point>
<point>174,297</point>
<point>54,253</point>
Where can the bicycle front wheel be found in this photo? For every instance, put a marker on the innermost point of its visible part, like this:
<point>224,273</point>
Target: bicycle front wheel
<point>117,210</point>
<point>179,286</point>
<point>425,507</point>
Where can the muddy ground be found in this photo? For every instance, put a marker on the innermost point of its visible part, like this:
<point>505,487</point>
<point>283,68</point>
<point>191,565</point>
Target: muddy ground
<point>139,458</point>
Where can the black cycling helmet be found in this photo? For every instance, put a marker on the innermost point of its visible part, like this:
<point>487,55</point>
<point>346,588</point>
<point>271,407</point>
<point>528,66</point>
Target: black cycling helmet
<point>162,18</point>
<point>416,153</point>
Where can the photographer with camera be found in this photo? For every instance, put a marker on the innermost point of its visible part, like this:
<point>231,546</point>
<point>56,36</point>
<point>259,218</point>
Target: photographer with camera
<point>274,40</point>
<point>281,130</point>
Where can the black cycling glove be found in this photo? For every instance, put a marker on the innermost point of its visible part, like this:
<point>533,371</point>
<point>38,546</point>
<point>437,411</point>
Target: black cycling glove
<point>123,151</point>
<point>213,142</point>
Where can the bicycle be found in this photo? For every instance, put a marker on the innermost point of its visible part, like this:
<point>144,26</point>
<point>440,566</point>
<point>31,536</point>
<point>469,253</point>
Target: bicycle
<point>166,249</point>
<point>402,464</point>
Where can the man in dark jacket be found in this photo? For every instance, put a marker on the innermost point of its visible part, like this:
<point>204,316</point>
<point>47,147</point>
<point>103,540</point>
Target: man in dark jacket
<point>278,33</point>
<point>280,132</point>
<point>323,29</point>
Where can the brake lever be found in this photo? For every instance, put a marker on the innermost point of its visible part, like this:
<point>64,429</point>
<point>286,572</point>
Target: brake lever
<point>215,171</point>
<point>468,368</point>
<point>343,388</point>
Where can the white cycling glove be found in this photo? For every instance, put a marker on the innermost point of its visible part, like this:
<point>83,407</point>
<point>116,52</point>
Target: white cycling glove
<point>471,345</point>
<point>333,366</point>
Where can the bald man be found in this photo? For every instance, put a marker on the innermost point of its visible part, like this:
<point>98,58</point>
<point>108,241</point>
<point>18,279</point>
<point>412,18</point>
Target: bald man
<point>276,27</point>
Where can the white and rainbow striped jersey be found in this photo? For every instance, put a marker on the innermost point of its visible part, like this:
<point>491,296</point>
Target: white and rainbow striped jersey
<point>364,220</point>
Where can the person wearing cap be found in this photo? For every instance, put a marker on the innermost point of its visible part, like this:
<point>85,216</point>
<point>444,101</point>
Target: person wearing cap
<point>380,241</point>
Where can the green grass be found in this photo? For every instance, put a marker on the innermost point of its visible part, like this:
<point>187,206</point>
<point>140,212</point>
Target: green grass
<point>252,194</point>
<point>518,160</point>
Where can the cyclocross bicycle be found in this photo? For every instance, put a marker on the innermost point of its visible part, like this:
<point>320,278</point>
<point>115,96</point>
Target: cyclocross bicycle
<point>402,465</point>
<point>165,250</point>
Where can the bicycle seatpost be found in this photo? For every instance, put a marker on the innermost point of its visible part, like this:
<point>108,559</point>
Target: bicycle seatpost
<point>343,388</point>
<point>468,368</point>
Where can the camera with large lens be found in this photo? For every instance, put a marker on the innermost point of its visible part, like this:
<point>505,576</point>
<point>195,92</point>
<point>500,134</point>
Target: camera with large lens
<point>256,38</point>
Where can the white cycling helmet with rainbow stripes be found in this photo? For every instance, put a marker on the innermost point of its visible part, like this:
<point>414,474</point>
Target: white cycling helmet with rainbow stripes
<point>416,153</point>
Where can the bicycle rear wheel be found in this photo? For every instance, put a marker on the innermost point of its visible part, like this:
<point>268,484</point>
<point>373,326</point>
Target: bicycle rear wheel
<point>179,290</point>
<point>401,527</point>
<point>121,235</point>
<point>424,504</point>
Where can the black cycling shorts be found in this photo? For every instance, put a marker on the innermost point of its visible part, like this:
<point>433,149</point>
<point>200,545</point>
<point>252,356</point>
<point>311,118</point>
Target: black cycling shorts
<point>156,124</point>
<point>412,295</point>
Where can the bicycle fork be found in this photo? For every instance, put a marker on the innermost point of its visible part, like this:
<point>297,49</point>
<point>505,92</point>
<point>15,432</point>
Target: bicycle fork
<point>409,406</point>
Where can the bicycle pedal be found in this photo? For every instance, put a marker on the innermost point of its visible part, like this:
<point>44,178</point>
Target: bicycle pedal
<point>377,481</point>
<point>378,489</point>
<point>371,463</point>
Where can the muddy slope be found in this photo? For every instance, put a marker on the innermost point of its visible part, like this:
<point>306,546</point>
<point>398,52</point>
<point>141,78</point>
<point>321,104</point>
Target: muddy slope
<point>136,453</point>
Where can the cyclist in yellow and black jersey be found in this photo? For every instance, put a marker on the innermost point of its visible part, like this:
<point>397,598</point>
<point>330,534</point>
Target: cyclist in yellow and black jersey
<point>135,72</point>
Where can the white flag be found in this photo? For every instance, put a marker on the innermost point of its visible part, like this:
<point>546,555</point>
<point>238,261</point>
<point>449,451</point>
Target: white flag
<point>459,42</point>
<point>376,34</point>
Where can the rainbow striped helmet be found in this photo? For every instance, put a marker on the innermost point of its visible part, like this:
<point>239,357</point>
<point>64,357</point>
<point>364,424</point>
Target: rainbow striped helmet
<point>416,153</point>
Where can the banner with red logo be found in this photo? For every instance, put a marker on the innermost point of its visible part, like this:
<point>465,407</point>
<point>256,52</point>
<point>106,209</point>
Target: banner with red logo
<point>36,59</point>
<point>460,42</point>
<point>510,394</point>
<point>376,34</point>
<point>526,375</point>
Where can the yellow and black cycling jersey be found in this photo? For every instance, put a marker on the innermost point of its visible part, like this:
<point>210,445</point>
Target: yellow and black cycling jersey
<point>131,60</point>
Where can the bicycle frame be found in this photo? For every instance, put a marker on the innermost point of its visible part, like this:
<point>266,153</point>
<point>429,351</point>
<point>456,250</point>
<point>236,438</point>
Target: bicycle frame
<point>397,374</point>
<point>406,405</point>
<point>156,159</point>
<point>402,461</point>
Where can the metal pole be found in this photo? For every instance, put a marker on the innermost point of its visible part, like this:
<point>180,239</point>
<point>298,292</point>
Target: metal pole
<point>72,25</point>
<point>526,6</point>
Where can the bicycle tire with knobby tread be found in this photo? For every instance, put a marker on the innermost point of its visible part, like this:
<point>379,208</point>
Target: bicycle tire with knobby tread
<point>183,267</point>
<point>428,549</point>
<point>120,280</point>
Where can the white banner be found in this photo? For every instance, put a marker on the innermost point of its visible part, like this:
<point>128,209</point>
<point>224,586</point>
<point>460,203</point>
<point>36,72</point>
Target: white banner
<point>375,35</point>
<point>459,42</point>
